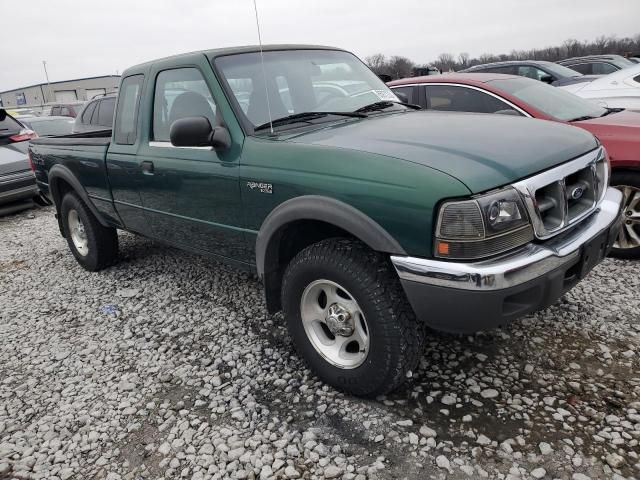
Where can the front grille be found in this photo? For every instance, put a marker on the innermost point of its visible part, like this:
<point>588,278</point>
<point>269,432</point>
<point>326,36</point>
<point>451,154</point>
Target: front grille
<point>561,197</point>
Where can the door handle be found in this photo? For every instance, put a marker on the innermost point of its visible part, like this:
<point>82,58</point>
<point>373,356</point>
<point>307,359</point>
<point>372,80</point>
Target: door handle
<point>147,167</point>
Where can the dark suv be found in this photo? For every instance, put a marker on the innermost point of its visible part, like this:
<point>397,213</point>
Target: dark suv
<point>547,72</point>
<point>96,115</point>
<point>597,64</point>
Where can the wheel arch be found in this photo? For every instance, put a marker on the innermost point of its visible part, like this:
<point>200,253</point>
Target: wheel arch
<point>62,180</point>
<point>301,221</point>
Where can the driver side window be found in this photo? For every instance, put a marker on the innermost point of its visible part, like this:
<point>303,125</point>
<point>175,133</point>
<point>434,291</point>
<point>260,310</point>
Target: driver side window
<point>180,93</point>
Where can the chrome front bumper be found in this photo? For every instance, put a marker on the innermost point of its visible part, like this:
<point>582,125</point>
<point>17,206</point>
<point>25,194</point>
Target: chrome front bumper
<point>525,264</point>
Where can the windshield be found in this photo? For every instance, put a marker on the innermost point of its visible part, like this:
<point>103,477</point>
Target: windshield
<point>622,62</point>
<point>561,71</point>
<point>553,101</point>
<point>300,81</point>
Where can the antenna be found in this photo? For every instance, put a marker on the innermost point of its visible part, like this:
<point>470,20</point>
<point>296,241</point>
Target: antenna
<point>264,73</point>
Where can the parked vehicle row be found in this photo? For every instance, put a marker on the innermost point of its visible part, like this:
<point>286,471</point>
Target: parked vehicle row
<point>366,219</point>
<point>609,80</point>
<point>620,89</point>
<point>547,72</point>
<point>597,64</point>
<point>17,181</point>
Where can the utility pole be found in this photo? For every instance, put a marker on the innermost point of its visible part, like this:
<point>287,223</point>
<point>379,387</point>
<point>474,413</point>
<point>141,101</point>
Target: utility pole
<point>44,64</point>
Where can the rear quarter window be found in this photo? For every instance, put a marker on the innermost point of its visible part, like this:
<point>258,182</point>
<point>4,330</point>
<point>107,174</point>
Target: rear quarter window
<point>125,126</point>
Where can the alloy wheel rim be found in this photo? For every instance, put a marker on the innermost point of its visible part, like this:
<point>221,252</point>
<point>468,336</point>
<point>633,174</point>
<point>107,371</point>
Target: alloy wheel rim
<point>78,233</point>
<point>629,236</point>
<point>335,324</point>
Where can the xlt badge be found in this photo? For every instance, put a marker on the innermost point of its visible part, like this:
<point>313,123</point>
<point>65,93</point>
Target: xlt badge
<point>261,186</point>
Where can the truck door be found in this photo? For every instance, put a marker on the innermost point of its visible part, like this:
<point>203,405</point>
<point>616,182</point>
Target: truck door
<point>192,195</point>
<point>123,171</point>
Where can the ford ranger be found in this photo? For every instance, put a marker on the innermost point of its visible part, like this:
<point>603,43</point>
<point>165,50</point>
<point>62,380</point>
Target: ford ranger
<point>367,220</point>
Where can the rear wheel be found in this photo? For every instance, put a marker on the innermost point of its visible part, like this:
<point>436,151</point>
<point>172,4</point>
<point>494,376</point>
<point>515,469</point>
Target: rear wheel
<point>349,318</point>
<point>627,245</point>
<point>94,246</point>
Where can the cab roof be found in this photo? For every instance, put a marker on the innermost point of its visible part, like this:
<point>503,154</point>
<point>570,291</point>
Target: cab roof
<point>220,52</point>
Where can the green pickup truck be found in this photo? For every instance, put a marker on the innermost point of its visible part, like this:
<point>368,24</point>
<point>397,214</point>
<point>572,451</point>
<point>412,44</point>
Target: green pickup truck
<point>367,220</point>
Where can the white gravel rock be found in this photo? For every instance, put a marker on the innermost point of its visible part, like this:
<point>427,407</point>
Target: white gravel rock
<point>443,462</point>
<point>489,393</point>
<point>538,473</point>
<point>545,448</point>
<point>168,365</point>
<point>428,432</point>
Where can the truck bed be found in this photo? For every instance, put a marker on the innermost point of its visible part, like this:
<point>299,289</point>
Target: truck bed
<point>98,137</point>
<point>81,158</point>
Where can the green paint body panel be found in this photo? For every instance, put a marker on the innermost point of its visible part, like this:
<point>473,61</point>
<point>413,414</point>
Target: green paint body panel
<point>394,168</point>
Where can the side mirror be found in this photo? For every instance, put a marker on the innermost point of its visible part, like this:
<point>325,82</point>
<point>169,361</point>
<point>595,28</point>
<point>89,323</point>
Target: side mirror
<point>547,79</point>
<point>197,132</point>
<point>509,111</point>
<point>402,96</point>
<point>3,114</point>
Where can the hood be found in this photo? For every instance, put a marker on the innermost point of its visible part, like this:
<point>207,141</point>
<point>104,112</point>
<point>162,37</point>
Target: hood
<point>13,158</point>
<point>574,80</point>
<point>618,132</point>
<point>483,151</point>
<point>625,120</point>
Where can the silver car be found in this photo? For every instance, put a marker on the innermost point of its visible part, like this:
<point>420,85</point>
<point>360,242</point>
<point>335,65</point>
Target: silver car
<point>17,181</point>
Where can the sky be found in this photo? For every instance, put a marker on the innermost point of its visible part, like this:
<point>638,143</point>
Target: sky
<point>83,38</point>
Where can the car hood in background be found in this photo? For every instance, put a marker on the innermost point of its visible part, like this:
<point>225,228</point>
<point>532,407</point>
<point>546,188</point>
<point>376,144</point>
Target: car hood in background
<point>573,80</point>
<point>484,151</point>
<point>13,158</point>
<point>619,132</point>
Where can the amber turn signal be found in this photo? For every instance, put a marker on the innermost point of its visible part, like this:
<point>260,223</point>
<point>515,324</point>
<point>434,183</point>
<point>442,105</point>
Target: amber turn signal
<point>443,248</point>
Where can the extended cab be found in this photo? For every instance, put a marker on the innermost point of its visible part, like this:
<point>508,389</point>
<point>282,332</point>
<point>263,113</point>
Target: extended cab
<point>366,220</point>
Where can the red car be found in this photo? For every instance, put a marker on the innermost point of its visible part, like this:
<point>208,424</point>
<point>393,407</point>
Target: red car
<point>617,129</point>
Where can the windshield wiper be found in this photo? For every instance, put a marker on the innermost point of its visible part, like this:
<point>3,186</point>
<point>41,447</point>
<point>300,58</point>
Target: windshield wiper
<point>580,119</point>
<point>385,104</point>
<point>611,110</point>
<point>304,116</point>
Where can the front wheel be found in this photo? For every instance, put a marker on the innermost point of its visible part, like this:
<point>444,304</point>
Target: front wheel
<point>349,318</point>
<point>627,245</point>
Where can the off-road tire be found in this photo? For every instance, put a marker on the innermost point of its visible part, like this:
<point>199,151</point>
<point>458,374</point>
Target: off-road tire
<point>102,242</point>
<point>631,179</point>
<point>396,337</point>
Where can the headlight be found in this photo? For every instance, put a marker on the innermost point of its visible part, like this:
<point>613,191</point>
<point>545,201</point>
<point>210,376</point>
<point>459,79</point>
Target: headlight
<point>481,227</point>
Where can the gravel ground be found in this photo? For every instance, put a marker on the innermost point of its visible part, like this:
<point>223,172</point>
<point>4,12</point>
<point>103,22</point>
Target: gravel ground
<point>167,366</point>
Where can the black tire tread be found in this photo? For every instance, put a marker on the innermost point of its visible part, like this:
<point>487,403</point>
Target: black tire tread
<point>630,178</point>
<point>103,241</point>
<point>405,333</point>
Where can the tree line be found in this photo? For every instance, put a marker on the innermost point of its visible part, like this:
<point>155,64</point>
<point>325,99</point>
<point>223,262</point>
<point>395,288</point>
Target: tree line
<point>398,66</point>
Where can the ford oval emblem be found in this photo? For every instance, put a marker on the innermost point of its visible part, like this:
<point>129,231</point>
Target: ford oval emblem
<point>577,192</point>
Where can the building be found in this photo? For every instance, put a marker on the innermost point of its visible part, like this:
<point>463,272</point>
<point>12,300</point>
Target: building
<point>68,91</point>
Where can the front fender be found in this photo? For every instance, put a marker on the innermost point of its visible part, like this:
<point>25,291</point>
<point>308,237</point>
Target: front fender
<point>324,209</point>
